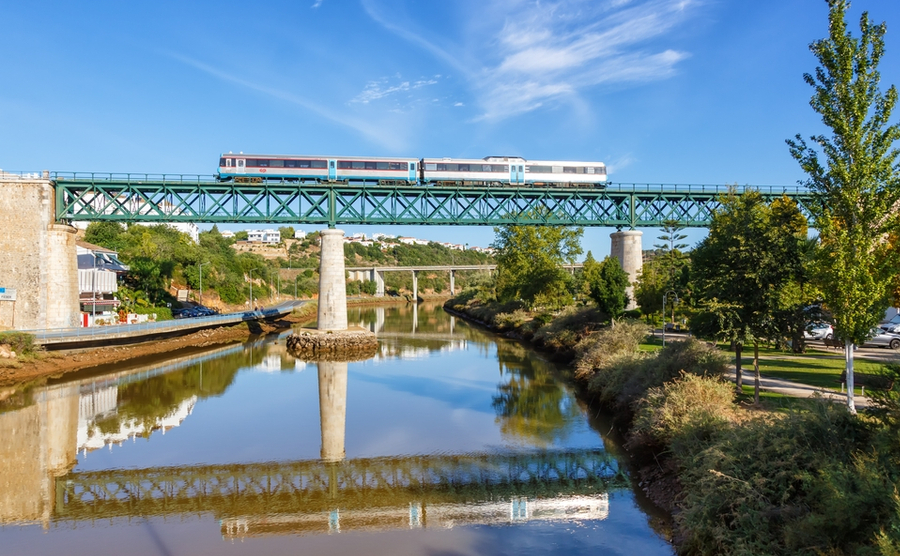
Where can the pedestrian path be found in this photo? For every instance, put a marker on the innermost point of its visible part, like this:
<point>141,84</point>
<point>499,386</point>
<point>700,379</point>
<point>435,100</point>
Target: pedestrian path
<point>796,389</point>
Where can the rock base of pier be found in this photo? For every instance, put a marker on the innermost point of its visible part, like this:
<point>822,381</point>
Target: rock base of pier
<point>333,345</point>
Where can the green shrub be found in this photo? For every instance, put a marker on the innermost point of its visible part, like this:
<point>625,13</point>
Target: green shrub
<point>567,328</point>
<point>799,484</point>
<point>19,342</point>
<point>511,321</point>
<point>683,414</point>
<point>162,313</point>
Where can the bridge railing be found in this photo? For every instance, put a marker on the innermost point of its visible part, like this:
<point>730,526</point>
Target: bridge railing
<point>84,334</point>
<point>717,189</point>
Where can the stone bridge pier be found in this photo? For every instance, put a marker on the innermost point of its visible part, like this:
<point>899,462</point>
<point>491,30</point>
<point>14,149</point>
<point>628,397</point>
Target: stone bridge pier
<point>626,246</point>
<point>38,260</point>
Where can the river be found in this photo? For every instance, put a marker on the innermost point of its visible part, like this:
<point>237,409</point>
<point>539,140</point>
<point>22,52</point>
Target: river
<point>450,441</point>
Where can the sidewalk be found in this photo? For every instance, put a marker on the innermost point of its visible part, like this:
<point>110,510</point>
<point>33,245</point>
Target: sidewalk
<point>794,389</point>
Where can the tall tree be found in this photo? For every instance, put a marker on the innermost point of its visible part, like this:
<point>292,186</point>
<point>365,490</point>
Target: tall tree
<point>742,269</point>
<point>529,263</point>
<point>607,282</point>
<point>856,195</point>
<point>671,259</point>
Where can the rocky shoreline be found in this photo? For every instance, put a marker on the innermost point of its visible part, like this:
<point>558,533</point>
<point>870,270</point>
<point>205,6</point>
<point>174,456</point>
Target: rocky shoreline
<point>344,345</point>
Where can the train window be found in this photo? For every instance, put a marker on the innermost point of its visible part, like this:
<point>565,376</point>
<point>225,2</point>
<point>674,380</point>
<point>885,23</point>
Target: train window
<point>262,163</point>
<point>601,170</point>
<point>276,163</point>
<point>289,163</point>
<point>463,167</point>
<point>382,166</point>
<point>359,165</point>
<point>540,169</point>
<point>568,169</point>
<point>228,163</point>
<point>412,166</point>
<point>430,167</point>
<point>318,164</point>
<point>499,168</point>
<point>221,162</point>
<point>397,165</point>
<point>590,170</point>
<point>344,165</point>
<point>371,165</point>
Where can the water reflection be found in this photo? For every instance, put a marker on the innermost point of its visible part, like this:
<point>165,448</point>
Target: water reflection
<point>45,430</point>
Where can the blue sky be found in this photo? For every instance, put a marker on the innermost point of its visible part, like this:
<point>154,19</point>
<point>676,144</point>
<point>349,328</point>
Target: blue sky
<point>676,91</point>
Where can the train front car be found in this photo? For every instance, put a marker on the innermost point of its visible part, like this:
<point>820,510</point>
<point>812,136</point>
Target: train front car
<point>468,171</point>
<point>565,173</point>
<point>256,168</point>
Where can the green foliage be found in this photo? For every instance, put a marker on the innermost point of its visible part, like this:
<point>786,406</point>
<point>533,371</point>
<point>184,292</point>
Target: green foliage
<point>683,413</point>
<point>783,486</point>
<point>162,313</point>
<point>105,234</point>
<point>287,232</point>
<point>241,236</point>
<point>20,342</point>
<point>856,191</point>
<point>607,283</point>
<point>529,263</point>
<point>562,331</point>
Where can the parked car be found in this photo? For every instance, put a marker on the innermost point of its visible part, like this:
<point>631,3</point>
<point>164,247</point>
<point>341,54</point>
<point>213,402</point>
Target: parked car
<point>882,338</point>
<point>892,325</point>
<point>818,331</point>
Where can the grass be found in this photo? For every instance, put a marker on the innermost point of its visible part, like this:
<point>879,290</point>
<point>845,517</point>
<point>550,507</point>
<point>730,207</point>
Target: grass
<point>651,343</point>
<point>772,401</point>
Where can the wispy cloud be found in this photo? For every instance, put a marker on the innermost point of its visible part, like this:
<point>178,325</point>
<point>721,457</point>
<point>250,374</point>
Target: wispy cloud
<point>366,127</point>
<point>376,90</point>
<point>317,3</point>
<point>519,55</point>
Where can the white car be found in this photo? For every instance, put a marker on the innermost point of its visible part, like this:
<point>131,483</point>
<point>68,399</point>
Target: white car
<point>818,331</point>
<point>881,338</point>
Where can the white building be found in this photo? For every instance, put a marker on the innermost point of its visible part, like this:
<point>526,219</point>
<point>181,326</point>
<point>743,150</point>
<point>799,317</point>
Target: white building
<point>227,234</point>
<point>264,236</point>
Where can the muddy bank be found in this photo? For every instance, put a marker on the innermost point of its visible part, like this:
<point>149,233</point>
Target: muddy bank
<point>54,364</point>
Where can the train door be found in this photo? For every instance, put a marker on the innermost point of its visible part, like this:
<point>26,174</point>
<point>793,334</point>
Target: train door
<point>412,172</point>
<point>240,166</point>
<point>516,174</point>
<point>332,170</point>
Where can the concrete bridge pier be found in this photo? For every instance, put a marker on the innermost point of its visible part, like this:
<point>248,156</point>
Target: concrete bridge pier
<point>415,285</point>
<point>333,408</point>
<point>452,282</point>
<point>37,257</point>
<point>378,278</point>
<point>332,308</point>
<point>626,246</point>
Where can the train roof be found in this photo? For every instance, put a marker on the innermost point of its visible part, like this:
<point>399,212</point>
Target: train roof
<point>316,157</point>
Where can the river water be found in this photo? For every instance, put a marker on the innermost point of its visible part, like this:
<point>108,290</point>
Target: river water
<point>450,441</point>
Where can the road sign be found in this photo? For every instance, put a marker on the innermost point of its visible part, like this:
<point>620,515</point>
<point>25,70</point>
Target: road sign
<point>7,294</point>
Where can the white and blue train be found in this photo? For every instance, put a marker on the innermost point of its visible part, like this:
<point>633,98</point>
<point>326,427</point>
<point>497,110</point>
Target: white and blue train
<point>488,171</point>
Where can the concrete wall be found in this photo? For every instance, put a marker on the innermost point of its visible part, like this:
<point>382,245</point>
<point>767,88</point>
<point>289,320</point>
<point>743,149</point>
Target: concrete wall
<point>37,257</point>
<point>626,246</point>
<point>332,307</point>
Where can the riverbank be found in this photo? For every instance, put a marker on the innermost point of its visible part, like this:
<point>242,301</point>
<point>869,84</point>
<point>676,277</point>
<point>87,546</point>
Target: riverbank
<point>44,365</point>
<point>736,478</point>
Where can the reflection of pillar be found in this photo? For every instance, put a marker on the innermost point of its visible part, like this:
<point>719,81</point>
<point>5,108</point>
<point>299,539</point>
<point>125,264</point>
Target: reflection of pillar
<point>452,323</point>
<point>626,246</point>
<point>415,284</point>
<point>378,278</point>
<point>333,408</point>
<point>332,310</point>
<point>415,316</point>
<point>452,282</point>
<point>379,319</point>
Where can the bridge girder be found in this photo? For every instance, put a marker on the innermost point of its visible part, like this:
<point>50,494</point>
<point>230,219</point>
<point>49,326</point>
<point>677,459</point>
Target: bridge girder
<point>621,205</point>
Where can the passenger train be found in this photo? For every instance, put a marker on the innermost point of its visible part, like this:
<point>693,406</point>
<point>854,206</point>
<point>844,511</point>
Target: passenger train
<point>489,171</point>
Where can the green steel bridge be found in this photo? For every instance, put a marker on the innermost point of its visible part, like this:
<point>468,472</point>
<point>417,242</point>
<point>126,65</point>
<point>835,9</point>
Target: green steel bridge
<point>181,198</point>
<point>311,486</point>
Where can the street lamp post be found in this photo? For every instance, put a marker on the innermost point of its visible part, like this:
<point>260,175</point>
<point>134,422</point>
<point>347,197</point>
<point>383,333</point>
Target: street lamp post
<point>665,295</point>
<point>296,278</point>
<point>251,288</point>
<point>200,267</point>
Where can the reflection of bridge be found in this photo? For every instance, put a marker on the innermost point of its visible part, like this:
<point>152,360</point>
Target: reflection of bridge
<point>317,487</point>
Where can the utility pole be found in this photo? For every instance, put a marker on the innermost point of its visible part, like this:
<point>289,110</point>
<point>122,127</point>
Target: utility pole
<point>200,266</point>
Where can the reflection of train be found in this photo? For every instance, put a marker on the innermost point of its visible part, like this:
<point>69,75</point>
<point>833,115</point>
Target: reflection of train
<point>489,171</point>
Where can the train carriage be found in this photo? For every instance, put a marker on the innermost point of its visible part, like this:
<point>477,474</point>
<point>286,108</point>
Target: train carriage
<point>254,168</point>
<point>465,171</point>
<point>565,173</point>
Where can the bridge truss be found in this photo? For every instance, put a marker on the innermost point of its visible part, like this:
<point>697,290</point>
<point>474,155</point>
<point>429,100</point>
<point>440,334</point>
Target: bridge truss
<point>162,198</point>
<point>317,486</point>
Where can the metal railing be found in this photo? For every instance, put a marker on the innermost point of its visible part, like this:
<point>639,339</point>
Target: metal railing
<point>82,334</point>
